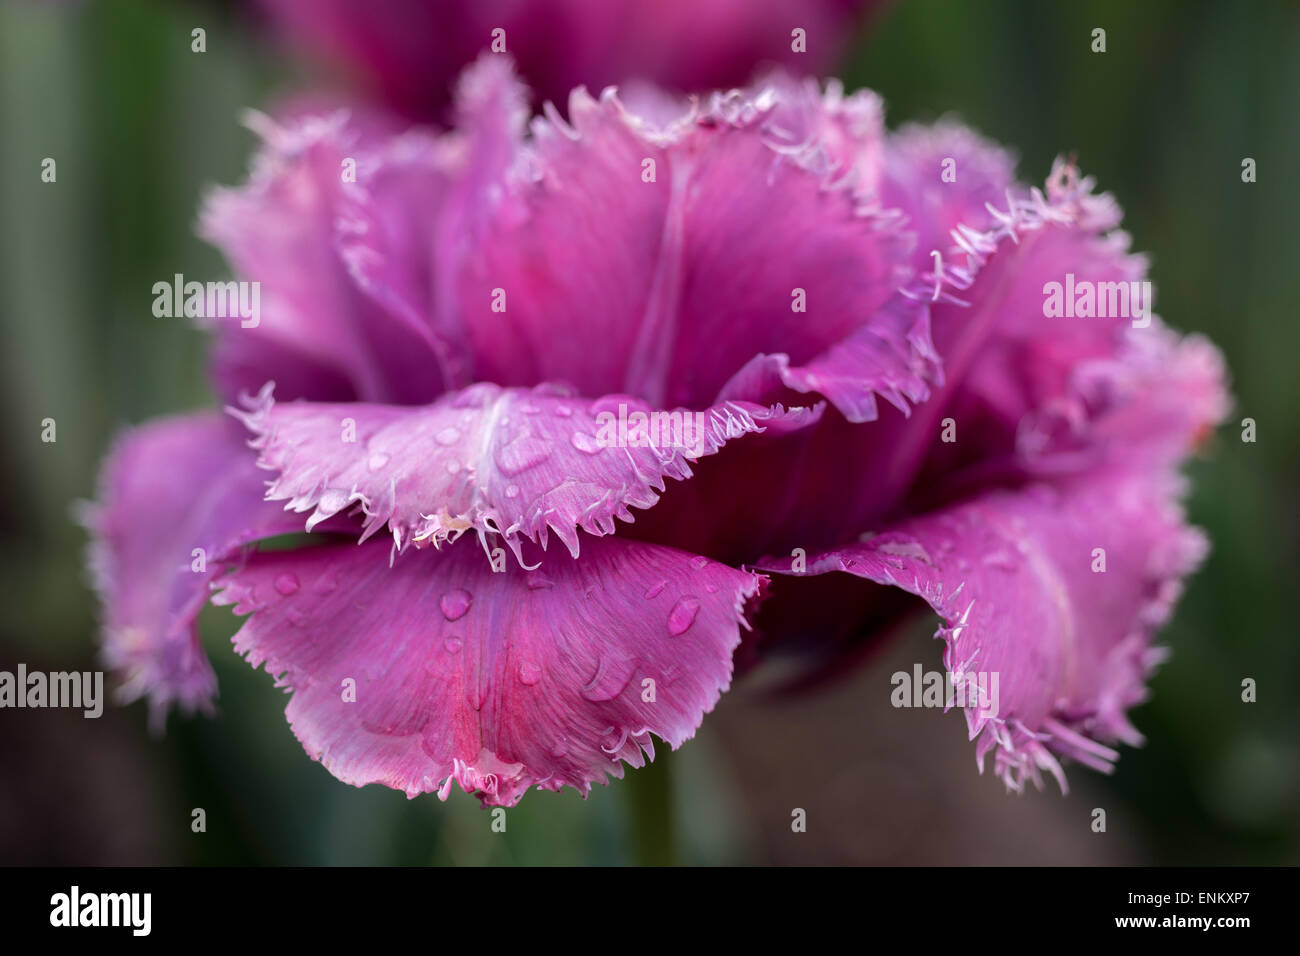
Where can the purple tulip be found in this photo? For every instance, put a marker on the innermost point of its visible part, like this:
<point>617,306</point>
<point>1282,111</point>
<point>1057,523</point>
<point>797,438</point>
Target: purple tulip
<point>515,332</point>
<point>407,53</point>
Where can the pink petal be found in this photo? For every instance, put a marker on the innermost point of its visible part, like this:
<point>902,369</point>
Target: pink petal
<point>1152,403</point>
<point>944,178</point>
<point>749,217</point>
<point>890,357</point>
<point>426,204</point>
<point>498,681</point>
<point>508,461</point>
<point>1036,395</point>
<point>1012,575</point>
<point>168,488</point>
<point>1004,362</point>
<point>320,334</point>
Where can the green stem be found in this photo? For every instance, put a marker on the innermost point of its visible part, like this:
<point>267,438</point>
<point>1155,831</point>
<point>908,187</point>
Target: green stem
<point>650,813</point>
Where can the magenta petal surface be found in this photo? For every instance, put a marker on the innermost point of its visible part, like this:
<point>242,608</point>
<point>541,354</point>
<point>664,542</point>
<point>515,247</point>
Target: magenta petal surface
<point>1057,591</point>
<point>507,461</point>
<point>496,681</point>
<point>945,179</point>
<point>735,231</point>
<point>890,357</point>
<point>327,329</point>
<point>426,202</point>
<point>178,499</point>
<point>1013,377</point>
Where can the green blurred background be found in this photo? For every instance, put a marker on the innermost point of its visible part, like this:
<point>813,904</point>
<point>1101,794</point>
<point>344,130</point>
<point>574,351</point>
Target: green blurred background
<point>139,125</point>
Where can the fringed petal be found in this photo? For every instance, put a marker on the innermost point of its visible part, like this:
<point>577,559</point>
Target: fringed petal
<point>178,499</point>
<point>440,670</point>
<point>514,462</point>
<point>1049,599</point>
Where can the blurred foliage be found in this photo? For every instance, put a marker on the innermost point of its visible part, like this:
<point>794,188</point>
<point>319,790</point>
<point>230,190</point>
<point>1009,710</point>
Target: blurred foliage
<point>139,126</point>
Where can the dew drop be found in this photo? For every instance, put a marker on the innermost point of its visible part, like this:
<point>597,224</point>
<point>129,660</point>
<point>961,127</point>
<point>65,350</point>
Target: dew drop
<point>907,549</point>
<point>448,436</point>
<point>455,604</point>
<point>521,454</point>
<point>474,396</point>
<point>286,583</point>
<point>585,443</point>
<point>564,411</point>
<point>529,674</point>
<point>1001,560</point>
<point>682,616</point>
<point>453,467</point>
<point>655,589</point>
<point>377,461</point>
<point>512,491</point>
<point>452,645</point>
<point>326,583</point>
<point>296,617</point>
<point>700,561</point>
<point>613,673</point>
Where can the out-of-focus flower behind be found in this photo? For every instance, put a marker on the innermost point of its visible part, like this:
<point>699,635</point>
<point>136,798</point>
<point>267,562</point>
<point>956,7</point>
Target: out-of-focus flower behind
<point>407,53</point>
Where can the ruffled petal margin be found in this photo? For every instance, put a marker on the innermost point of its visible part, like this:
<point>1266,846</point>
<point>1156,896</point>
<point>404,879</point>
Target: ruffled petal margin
<point>178,500</point>
<point>439,669</point>
<point>1055,592</point>
<point>514,462</point>
<point>746,226</point>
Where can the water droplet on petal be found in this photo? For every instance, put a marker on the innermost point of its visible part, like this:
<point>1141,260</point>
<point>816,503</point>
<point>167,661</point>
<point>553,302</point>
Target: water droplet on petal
<point>700,561</point>
<point>585,443</point>
<point>512,491</point>
<point>907,549</point>
<point>377,461</point>
<point>286,583</point>
<point>1001,560</point>
<point>296,617</point>
<point>682,616</point>
<point>453,467</point>
<point>564,411</point>
<point>326,583</point>
<point>529,674</point>
<point>521,454</point>
<point>655,589</point>
<point>475,396</point>
<point>452,645</point>
<point>448,436</point>
<point>455,604</point>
